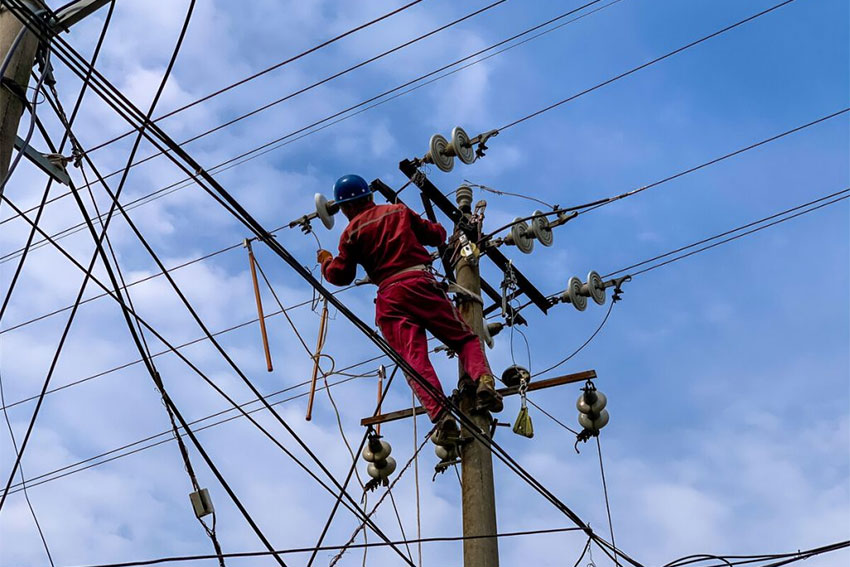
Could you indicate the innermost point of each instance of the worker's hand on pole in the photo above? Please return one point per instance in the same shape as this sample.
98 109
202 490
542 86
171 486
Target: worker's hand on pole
323 255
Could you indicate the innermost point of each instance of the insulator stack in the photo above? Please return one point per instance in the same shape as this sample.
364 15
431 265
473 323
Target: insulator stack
381 465
592 413
578 292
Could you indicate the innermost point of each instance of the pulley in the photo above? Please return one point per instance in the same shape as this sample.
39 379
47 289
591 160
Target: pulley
521 236
542 229
595 288
438 153
514 375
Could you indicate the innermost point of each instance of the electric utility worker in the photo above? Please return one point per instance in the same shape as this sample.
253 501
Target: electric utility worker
389 242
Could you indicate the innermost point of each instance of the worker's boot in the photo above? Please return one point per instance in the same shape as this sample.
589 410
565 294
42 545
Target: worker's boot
487 398
446 433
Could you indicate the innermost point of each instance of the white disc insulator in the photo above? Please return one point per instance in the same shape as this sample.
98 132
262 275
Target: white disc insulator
574 293
441 452
323 209
438 153
488 339
596 287
462 148
521 236
542 230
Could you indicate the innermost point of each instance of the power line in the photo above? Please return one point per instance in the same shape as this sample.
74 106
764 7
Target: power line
749 559
593 205
332 77
66 470
586 207
643 66
350 504
31 235
448 539
342 115
266 70
824 201
122 105
142 130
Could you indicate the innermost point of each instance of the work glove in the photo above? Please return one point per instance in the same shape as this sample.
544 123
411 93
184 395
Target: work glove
322 255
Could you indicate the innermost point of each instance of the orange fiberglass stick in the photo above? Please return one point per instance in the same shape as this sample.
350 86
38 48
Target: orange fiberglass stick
320 343
252 262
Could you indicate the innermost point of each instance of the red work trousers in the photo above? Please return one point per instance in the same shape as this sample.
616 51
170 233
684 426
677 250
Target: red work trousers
412 303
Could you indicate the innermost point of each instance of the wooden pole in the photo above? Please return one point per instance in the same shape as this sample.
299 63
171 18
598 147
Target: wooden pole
381 372
320 342
262 317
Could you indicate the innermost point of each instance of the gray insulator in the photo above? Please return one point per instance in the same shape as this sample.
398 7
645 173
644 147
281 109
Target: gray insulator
585 405
371 457
594 422
383 472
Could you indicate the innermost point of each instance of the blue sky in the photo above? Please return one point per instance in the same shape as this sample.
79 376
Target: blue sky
726 373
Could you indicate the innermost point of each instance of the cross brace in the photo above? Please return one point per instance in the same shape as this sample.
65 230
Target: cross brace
539 385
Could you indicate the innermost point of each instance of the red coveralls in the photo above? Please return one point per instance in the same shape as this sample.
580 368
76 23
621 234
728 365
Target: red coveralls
388 241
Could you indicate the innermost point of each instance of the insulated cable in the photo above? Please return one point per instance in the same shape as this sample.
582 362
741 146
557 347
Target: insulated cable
587 207
265 71
187 163
342 115
643 66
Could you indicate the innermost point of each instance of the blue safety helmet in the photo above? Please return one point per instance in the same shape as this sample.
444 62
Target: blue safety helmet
350 188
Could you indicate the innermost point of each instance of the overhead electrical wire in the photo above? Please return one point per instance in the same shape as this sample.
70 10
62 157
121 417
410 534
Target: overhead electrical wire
230 204
593 205
588 206
22 12
33 106
154 441
525 118
643 66
172 410
340 115
14 280
351 506
776 218
265 71
235 208
447 539
784 558
295 93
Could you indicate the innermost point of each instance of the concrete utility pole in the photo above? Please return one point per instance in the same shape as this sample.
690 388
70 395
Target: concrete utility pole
479 498
15 81
17 75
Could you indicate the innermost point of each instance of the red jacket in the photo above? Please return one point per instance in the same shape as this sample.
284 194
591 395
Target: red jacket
384 239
